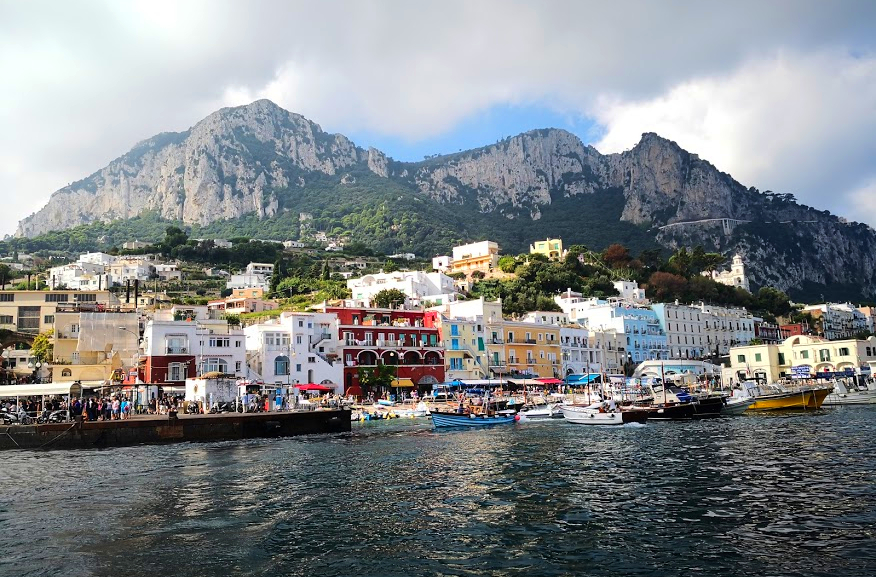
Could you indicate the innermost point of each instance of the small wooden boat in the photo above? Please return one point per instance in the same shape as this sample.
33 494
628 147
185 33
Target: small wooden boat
442 419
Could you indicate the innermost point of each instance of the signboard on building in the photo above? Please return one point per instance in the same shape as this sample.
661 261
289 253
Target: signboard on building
801 372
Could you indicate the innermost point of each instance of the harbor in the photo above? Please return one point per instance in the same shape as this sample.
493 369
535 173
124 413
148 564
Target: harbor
773 493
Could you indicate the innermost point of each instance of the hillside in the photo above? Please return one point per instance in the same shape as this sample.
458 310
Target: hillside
253 170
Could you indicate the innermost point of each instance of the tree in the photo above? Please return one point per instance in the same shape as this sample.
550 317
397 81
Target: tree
773 300
507 263
388 298
43 347
232 320
478 275
326 273
680 262
379 376
390 266
5 274
665 286
173 237
616 256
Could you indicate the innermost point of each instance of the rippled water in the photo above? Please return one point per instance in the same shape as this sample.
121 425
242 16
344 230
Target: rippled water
758 495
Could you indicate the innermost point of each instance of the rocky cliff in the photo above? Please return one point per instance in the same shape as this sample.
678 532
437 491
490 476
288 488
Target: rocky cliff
251 160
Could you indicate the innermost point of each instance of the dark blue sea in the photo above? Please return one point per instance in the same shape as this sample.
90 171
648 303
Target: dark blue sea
763 495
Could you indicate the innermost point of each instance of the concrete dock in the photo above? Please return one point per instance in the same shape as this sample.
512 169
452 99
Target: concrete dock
162 429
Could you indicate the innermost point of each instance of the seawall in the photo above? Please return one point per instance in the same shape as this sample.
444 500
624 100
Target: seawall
161 429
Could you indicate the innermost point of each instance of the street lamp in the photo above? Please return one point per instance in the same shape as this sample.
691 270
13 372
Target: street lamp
36 369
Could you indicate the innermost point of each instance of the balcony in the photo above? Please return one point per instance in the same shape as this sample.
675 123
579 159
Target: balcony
497 341
176 350
529 341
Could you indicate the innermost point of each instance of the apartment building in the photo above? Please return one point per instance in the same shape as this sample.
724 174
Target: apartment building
685 330
34 311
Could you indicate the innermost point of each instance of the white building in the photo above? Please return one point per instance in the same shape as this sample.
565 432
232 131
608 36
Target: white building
630 291
419 286
79 276
100 258
685 330
293 244
546 318
403 256
123 270
168 272
256 275
260 268
441 263
725 327
734 277
175 345
296 348
839 320
578 356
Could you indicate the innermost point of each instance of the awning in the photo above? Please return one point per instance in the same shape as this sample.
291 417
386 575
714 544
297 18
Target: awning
35 390
403 383
312 387
547 381
582 379
525 382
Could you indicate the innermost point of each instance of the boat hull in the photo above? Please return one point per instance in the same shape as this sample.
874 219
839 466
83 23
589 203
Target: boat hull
806 399
442 420
708 407
584 416
680 412
736 407
834 399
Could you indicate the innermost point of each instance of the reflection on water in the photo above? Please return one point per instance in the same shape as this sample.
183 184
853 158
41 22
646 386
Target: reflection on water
771 495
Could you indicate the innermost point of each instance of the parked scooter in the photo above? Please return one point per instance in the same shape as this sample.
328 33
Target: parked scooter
48 416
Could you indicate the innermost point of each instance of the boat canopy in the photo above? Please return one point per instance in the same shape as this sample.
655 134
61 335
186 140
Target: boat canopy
549 381
583 379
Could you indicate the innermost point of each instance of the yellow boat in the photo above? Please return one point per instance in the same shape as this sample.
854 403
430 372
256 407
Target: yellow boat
777 397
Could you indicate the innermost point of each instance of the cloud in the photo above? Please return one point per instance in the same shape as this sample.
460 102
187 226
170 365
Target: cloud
799 123
84 82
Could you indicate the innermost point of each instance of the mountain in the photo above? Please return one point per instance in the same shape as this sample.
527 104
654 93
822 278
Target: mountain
257 168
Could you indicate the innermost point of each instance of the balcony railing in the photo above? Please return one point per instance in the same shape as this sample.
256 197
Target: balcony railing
176 350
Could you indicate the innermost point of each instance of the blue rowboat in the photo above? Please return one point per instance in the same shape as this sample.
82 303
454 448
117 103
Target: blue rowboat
465 420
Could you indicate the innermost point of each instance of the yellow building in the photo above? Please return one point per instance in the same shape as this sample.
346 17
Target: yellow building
481 256
551 248
34 311
91 346
530 348
465 352
800 356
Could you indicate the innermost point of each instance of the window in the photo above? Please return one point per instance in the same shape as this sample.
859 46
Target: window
220 342
175 372
298 368
740 358
298 339
84 298
455 364
213 365
869 351
804 354
369 339
49 319
311 359
454 330
29 319
781 358
300 323
844 352
757 357
823 355
237 365
8 320
7 297
281 365
56 298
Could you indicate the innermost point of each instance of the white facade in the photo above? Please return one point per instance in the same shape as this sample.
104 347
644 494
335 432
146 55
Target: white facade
79 276
630 291
260 268
293 244
403 256
725 327
475 249
213 351
124 270
296 348
419 286
685 330
441 263
734 277
168 272
579 356
242 281
840 320
100 258
546 318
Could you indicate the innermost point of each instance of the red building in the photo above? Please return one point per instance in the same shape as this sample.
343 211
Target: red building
375 338
794 330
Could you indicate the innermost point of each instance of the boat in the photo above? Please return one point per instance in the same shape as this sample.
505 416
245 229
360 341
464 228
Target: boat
667 403
734 406
708 406
778 396
600 414
845 393
444 419
541 410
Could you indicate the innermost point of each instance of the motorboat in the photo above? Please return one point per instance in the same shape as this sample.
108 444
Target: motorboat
779 396
539 408
734 406
846 393
604 413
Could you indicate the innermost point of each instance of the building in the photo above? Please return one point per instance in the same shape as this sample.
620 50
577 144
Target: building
480 256
767 332
91 346
839 320
465 352
551 248
287 244
168 272
685 330
801 357
725 327
639 326
34 311
174 350
296 348
870 314
546 318
577 355
260 268
123 270
79 276
135 245
532 348
734 277
372 338
419 286
240 305
630 291
403 256
441 263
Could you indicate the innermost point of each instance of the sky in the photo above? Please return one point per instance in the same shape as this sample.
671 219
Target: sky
780 94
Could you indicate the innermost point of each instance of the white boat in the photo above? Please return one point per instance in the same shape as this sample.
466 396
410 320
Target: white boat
845 393
736 405
539 409
597 414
